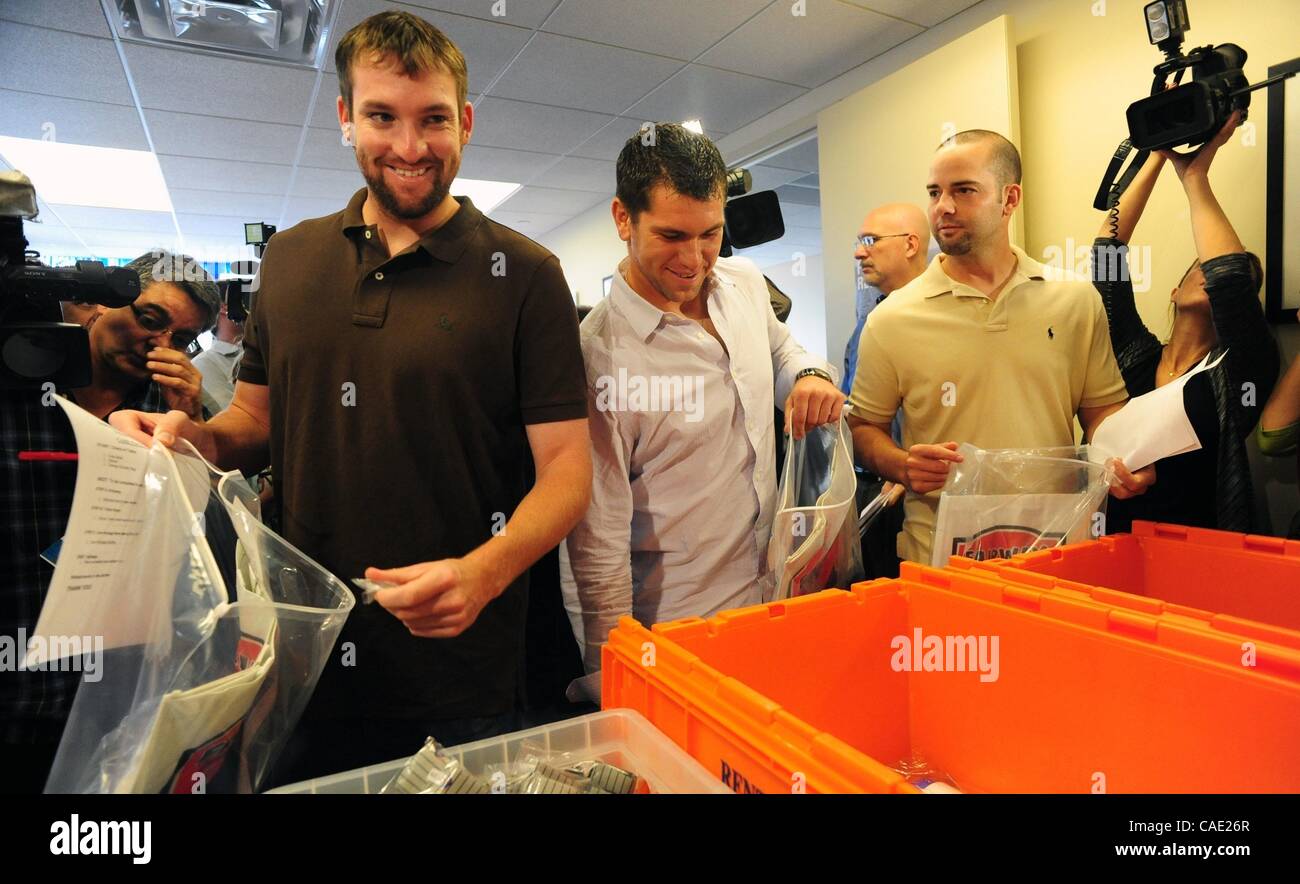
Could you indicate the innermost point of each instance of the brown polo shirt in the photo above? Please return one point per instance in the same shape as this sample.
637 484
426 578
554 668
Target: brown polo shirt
400 391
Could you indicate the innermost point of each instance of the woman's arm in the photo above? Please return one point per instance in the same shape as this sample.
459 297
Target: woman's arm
1133 202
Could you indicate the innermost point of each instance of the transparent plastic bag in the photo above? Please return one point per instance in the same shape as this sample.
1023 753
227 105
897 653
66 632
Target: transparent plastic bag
815 543
1000 502
240 625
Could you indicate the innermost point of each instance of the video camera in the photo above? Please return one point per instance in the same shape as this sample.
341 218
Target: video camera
1184 113
35 345
749 220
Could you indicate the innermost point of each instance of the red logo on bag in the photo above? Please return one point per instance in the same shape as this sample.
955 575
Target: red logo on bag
1003 542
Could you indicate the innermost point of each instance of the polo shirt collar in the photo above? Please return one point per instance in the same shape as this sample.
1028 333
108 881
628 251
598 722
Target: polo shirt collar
446 243
934 281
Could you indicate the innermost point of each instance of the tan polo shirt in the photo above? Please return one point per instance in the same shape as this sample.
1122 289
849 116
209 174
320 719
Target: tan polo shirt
1006 373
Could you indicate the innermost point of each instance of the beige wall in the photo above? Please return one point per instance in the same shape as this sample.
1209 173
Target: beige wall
589 249
874 147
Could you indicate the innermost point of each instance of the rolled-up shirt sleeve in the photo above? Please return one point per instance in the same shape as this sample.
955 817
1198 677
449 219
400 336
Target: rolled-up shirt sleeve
789 358
600 545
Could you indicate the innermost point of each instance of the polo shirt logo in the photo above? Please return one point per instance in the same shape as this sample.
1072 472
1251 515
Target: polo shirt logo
444 323
1050 336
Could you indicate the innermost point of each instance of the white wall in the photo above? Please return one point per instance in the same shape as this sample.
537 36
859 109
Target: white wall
589 249
807 292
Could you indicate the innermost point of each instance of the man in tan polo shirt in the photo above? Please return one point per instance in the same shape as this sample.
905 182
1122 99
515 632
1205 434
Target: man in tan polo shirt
983 347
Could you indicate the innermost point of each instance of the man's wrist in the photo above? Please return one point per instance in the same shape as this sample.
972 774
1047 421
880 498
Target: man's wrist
813 372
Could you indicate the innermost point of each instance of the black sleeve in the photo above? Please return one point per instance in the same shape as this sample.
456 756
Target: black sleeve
1243 331
1137 351
552 381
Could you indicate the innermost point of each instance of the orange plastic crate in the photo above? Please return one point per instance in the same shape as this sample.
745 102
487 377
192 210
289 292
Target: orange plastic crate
801 694
1240 583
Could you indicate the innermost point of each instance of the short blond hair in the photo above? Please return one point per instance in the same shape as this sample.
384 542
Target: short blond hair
410 42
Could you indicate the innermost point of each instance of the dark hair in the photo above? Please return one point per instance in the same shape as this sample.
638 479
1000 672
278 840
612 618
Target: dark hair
1006 159
669 154
186 274
409 41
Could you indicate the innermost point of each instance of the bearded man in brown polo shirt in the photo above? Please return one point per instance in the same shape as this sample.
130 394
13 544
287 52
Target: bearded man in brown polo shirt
410 368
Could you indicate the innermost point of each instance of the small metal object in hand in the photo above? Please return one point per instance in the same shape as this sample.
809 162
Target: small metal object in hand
370 588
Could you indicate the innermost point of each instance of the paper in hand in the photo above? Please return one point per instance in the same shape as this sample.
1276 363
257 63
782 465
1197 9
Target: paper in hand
1150 427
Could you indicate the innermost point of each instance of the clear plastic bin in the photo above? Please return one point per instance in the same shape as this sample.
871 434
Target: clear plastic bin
620 737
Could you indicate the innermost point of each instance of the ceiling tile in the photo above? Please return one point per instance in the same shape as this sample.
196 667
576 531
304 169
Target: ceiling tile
721 100
922 12
82 16
299 208
530 224
608 142
679 29
845 37
324 149
88 68
73 122
550 200
576 173
802 196
770 177
574 73
521 125
212 225
522 13
77 217
488 44
501 164
801 215
224 87
801 157
251 206
200 174
330 184
194 135
325 113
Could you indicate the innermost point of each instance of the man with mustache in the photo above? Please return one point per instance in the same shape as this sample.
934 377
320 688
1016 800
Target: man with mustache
982 347
411 368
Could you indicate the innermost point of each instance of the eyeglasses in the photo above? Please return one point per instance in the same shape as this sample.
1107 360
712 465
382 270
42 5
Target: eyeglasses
869 240
156 326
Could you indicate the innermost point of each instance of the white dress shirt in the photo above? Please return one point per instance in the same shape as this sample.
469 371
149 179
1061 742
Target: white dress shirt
683 449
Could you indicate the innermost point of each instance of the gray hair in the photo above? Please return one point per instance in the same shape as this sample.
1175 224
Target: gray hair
186 274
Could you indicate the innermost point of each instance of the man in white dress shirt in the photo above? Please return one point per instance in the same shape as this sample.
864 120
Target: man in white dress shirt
684 362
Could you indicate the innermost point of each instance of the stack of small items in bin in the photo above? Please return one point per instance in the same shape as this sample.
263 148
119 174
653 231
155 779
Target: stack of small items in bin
535 771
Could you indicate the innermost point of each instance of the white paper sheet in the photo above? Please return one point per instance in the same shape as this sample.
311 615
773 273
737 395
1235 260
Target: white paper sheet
98 585
1150 427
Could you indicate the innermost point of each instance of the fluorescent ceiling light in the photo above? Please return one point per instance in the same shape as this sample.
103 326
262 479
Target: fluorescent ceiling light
287 31
486 195
693 126
79 175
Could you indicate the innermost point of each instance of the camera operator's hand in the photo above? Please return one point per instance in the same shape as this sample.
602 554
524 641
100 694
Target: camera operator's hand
1198 164
928 465
181 382
145 428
